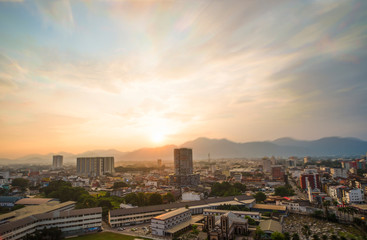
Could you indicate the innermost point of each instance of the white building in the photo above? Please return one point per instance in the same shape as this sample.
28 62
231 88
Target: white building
151 184
160 224
191 196
339 173
355 195
70 222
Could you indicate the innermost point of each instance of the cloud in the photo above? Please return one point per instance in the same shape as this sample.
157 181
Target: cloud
56 12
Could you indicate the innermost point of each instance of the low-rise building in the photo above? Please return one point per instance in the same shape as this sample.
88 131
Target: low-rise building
160 224
132 216
242 214
71 222
354 196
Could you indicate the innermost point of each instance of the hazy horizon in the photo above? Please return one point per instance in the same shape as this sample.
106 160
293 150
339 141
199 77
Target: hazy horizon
84 75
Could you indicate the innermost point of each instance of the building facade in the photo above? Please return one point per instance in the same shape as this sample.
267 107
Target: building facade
355 195
160 224
225 227
72 222
183 166
57 161
313 179
95 166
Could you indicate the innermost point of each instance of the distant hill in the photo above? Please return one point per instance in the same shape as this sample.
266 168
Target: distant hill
218 148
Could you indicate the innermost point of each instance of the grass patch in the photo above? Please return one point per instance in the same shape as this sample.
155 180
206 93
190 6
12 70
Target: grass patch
105 236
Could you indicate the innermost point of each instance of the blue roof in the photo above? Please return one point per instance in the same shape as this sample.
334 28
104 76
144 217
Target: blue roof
9 199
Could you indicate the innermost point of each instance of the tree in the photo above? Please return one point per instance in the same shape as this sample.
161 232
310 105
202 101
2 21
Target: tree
277 236
155 199
117 185
326 204
324 237
315 237
295 236
260 197
20 182
169 197
287 236
250 220
284 191
258 233
306 231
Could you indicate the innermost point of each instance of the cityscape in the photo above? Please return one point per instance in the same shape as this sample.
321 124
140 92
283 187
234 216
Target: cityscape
183 120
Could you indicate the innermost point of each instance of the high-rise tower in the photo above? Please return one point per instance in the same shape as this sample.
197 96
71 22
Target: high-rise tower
57 161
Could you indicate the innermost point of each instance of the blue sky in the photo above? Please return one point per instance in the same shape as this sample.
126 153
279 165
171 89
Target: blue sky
80 75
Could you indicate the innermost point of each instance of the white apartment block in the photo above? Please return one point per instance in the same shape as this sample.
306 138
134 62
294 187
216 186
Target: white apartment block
160 224
71 222
354 196
242 214
339 172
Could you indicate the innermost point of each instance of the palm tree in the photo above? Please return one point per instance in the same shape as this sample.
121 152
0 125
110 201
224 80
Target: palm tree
306 231
295 236
326 204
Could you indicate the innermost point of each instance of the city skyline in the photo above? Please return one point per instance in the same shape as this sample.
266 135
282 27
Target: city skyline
82 75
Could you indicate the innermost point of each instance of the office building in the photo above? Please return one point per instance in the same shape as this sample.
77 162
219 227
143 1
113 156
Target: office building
57 161
159 163
95 166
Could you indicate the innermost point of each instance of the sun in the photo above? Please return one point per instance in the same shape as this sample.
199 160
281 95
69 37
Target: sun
157 137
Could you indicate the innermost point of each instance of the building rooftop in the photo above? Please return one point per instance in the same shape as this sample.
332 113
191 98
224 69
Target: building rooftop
271 225
33 210
34 201
270 206
9 199
121 212
171 214
235 212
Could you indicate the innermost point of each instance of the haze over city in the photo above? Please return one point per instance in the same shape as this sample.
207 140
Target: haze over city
83 75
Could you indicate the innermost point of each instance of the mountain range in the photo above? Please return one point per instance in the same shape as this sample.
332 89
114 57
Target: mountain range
219 148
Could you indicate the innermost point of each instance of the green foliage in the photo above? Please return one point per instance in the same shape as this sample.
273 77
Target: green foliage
20 182
233 207
260 197
277 236
251 221
117 185
295 236
144 199
169 197
259 233
324 237
318 214
306 231
315 237
45 234
287 236
155 199
225 189
284 191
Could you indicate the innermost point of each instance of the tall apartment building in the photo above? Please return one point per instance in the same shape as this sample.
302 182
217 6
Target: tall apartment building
95 166
57 161
266 165
313 179
183 161
277 172
183 166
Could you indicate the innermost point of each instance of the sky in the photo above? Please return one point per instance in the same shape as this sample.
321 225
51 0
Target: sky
83 75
